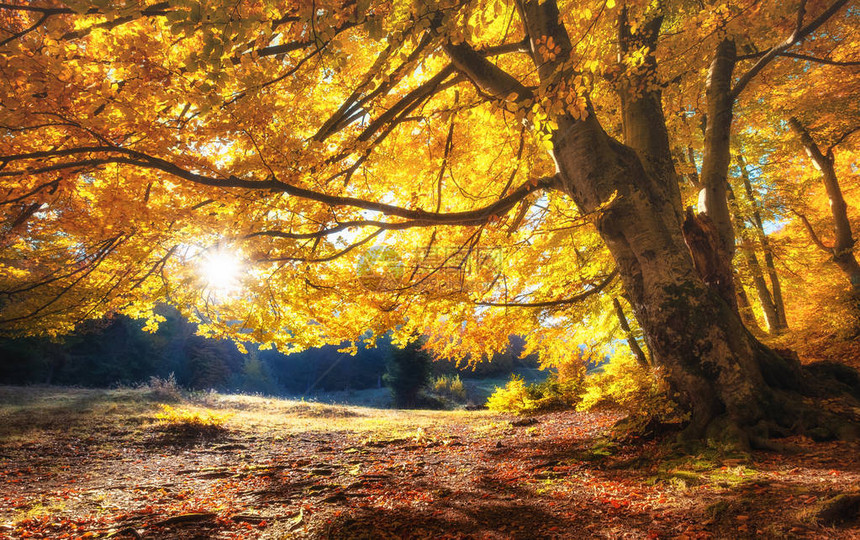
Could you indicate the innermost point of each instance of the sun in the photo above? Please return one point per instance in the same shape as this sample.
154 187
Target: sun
221 270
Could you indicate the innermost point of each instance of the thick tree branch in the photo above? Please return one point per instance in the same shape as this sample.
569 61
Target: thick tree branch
139 159
416 95
799 34
353 107
486 75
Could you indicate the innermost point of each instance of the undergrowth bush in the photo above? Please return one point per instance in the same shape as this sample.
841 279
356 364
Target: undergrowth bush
623 384
191 422
557 392
450 388
627 385
160 389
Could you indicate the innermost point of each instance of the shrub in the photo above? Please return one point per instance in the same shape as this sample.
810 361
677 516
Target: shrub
191 422
521 398
514 397
160 389
450 388
625 384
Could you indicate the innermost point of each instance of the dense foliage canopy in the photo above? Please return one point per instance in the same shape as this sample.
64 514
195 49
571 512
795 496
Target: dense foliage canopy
378 164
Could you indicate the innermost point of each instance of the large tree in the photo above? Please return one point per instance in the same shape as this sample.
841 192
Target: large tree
455 169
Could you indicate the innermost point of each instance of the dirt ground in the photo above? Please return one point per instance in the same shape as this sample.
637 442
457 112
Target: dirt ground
94 464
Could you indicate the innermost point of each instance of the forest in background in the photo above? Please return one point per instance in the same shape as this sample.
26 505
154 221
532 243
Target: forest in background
117 351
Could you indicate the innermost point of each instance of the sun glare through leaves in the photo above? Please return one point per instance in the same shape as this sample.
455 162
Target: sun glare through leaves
221 271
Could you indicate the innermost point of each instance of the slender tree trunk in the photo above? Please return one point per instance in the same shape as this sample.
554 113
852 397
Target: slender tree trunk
767 249
843 248
688 156
745 309
764 296
632 342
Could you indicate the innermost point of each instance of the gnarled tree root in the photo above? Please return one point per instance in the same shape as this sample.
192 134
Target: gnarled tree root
839 510
820 401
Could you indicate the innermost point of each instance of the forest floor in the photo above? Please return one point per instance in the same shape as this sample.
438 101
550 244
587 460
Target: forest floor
96 463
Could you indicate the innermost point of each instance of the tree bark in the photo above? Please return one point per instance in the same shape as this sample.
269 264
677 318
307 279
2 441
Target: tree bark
644 130
717 150
843 247
691 331
714 254
643 124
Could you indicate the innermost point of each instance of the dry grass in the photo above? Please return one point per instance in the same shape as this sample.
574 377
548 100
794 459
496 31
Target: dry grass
259 414
35 412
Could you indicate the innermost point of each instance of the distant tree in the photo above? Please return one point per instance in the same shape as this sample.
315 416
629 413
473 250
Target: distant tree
256 376
29 360
408 372
211 363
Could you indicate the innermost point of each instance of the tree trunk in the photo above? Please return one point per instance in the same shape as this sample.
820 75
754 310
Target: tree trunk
643 123
691 331
710 235
735 388
628 333
843 248
717 150
745 309
767 302
726 378
767 249
644 129
771 316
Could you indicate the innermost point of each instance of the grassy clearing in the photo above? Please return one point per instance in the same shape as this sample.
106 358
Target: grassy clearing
259 414
32 413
